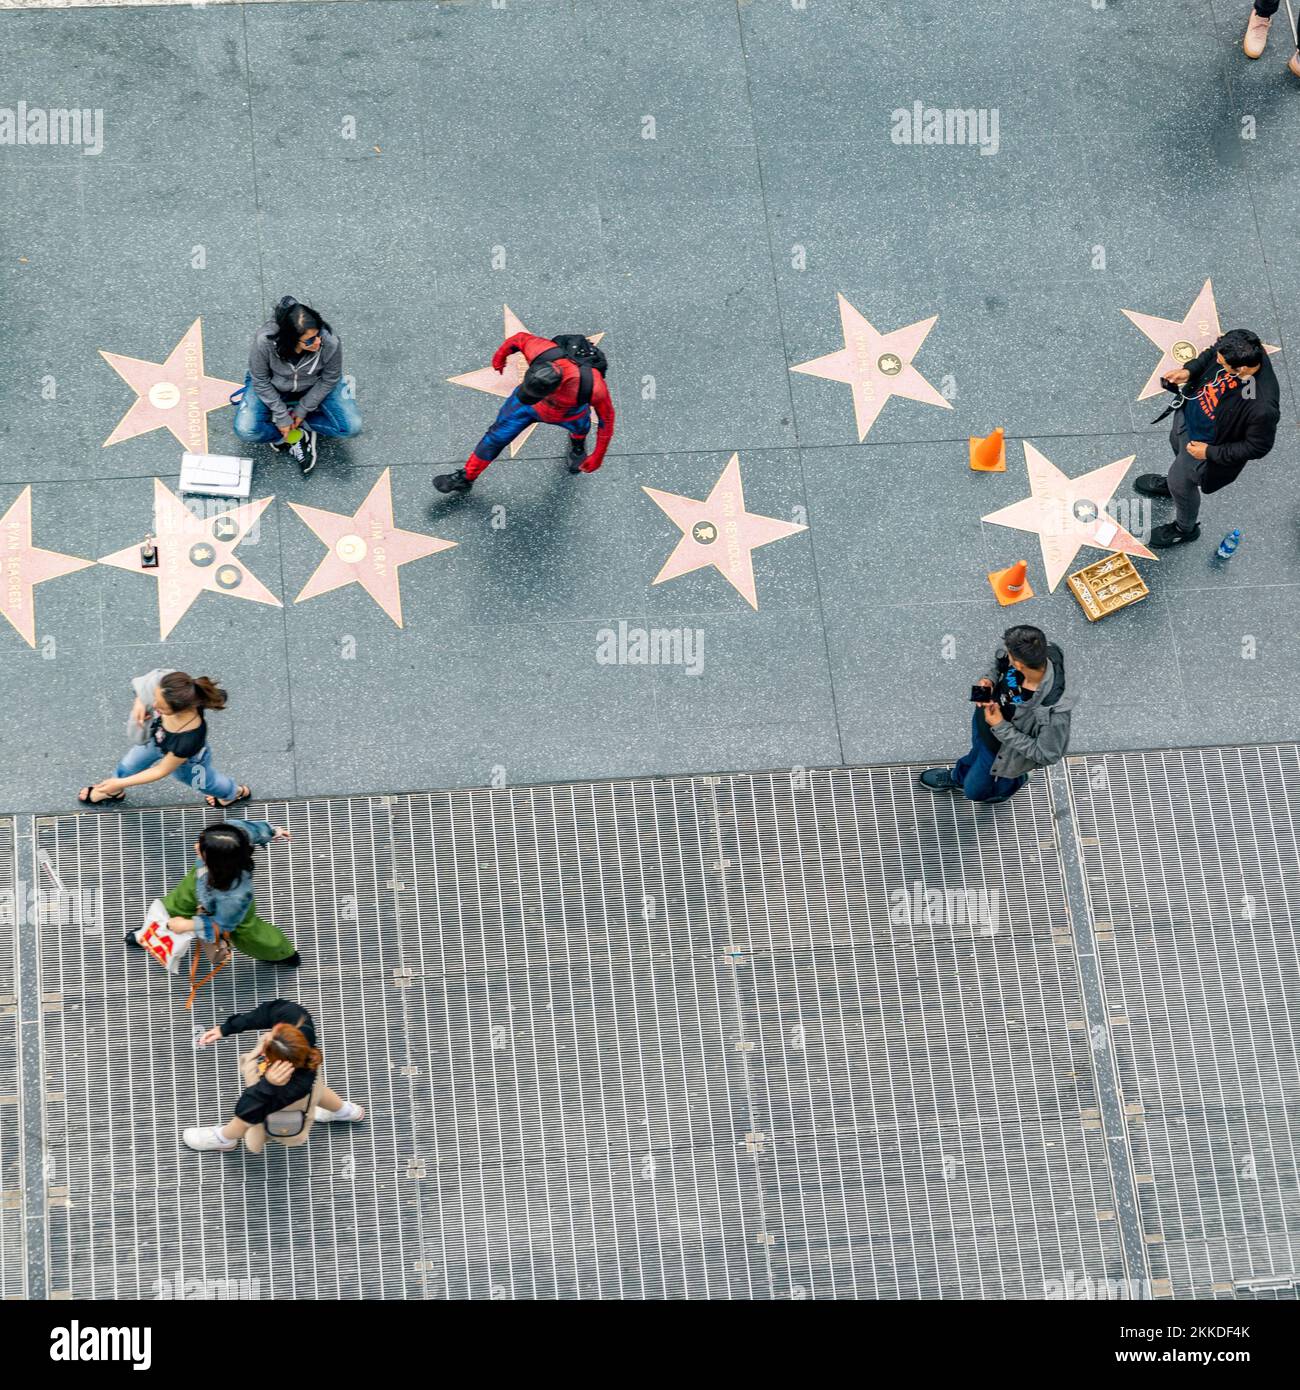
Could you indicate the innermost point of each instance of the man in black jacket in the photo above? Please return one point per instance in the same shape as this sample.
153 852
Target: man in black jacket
1226 414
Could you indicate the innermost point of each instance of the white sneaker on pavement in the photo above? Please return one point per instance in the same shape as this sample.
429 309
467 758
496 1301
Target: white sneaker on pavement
349 1111
208 1139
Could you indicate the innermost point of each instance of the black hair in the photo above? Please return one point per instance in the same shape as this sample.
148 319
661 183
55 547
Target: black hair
292 321
1240 348
1027 644
182 692
539 381
227 851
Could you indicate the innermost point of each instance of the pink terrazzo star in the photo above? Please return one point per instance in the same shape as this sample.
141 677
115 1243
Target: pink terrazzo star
23 566
1179 340
719 532
876 365
195 555
366 548
503 383
1068 513
173 395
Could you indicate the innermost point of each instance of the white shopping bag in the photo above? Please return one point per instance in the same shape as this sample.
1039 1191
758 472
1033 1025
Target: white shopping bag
167 947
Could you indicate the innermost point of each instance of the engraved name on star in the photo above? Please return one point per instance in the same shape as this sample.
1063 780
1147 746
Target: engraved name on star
876 365
366 548
1068 513
23 566
719 531
195 555
502 383
173 395
1179 340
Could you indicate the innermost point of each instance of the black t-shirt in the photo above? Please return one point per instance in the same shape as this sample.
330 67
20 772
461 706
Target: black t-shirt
263 1099
184 744
1005 695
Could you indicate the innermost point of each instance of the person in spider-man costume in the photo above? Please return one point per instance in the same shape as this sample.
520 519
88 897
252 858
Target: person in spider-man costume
557 389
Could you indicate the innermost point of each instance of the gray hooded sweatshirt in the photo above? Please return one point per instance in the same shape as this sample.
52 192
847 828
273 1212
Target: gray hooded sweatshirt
316 374
1037 735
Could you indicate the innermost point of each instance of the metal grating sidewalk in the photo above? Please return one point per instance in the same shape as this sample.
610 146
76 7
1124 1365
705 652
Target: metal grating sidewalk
1193 860
785 1035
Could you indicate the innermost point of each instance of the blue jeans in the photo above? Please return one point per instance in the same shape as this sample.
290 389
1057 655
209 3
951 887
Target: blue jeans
336 417
973 773
513 419
197 773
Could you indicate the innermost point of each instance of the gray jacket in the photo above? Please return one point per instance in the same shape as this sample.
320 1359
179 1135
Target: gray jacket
144 688
1038 734
317 374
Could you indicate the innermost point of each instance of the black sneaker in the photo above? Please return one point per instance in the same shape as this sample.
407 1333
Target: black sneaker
303 453
938 779
1152 485
577 454
130 940
279 446
1173 534
452 482
291 962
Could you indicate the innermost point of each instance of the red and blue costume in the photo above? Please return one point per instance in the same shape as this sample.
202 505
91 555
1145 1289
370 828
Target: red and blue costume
561 408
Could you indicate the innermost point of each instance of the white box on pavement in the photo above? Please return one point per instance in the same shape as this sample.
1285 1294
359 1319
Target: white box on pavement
216 475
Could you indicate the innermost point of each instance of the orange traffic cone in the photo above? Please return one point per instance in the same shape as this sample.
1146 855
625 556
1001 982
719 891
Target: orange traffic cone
988 454
1010 585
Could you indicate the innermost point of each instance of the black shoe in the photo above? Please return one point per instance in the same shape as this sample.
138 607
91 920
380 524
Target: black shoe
453 482
577 454
292 962
279 446
1152 485
130 940
1173 534
938 779
303 453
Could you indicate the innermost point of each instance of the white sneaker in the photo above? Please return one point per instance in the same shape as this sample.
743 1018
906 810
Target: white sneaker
350 1112
1256 35
208 1139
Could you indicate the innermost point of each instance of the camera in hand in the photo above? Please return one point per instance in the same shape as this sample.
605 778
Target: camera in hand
981 694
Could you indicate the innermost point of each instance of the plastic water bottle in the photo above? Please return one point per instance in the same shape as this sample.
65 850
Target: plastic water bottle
1228 545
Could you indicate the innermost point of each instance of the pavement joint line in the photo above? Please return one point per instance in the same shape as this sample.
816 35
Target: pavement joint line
1119 1156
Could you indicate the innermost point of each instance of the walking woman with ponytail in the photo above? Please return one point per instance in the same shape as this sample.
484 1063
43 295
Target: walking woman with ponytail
168 726
284 1090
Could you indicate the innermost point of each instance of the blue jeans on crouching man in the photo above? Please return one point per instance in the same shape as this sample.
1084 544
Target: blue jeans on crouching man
973 773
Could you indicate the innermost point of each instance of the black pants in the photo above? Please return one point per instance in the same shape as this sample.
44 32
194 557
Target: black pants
1265 9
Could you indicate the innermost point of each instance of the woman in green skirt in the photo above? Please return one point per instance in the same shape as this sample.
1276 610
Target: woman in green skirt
217 895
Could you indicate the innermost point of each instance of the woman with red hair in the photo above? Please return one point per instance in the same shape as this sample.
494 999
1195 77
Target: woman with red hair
284 1091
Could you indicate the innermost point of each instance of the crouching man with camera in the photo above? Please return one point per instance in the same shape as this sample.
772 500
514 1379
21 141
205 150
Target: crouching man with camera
1021 720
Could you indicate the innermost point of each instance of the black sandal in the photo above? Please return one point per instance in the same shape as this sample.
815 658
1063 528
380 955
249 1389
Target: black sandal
218 805
83 796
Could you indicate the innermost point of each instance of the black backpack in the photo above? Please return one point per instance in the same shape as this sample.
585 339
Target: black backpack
584 355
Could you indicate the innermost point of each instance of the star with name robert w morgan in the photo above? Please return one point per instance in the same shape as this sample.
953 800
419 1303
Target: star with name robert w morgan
1179 340
1069 513
876 365
195 555
719 531
175 395
502 383
366 548
23 566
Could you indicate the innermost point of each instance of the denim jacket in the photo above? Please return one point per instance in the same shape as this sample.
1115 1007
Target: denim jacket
225 909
